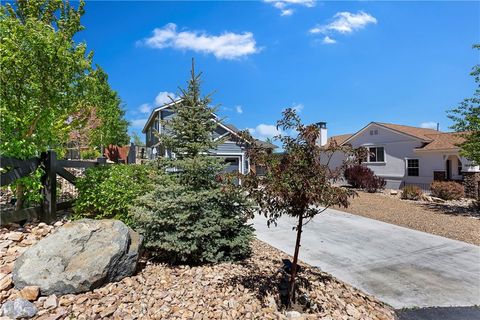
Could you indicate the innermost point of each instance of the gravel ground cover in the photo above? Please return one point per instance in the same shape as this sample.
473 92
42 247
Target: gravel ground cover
443 219
245 290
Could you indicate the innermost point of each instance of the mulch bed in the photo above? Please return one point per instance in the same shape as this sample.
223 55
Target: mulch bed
451 220
244 290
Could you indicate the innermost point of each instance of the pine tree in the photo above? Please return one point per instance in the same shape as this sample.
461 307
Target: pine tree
193 215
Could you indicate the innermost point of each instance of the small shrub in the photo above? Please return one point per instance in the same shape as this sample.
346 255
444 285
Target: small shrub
107 191
361 177
411 192
89 154
447 190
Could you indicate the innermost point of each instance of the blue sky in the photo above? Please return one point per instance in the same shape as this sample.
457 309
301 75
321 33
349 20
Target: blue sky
346 63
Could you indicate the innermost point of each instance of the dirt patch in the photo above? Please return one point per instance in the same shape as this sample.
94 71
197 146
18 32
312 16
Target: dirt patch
454 222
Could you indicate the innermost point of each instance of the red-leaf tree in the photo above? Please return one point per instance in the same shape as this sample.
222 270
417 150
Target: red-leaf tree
298 182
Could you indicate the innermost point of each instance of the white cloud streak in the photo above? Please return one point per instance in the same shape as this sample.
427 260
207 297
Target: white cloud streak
298 107
228 45
239 109
429 125
138 123
285 6
162 98
264 131
328 40
346 22
343 23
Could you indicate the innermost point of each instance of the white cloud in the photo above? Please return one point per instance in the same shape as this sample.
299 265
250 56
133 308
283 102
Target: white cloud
344 22
164 97
228 45
328 40
264 131
298 107
429 125
138 123
239 109
286 12
285 5
145 108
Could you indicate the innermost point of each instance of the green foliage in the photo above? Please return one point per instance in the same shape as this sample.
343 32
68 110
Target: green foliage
299 183
466 117
411 192
47 82
447 190
182 223
89 154
107 191
193 215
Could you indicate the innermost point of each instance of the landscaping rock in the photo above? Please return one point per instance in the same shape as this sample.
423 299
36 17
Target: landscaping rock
30 293
19 308
50 302
80 256
5 282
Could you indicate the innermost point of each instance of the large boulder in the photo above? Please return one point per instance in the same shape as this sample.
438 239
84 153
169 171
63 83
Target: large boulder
78 257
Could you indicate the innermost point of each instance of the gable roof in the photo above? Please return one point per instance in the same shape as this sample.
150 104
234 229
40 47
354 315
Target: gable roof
229 127
421 133
444 141
340 139
434 140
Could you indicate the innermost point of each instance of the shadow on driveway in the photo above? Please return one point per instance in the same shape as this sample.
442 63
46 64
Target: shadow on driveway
447 313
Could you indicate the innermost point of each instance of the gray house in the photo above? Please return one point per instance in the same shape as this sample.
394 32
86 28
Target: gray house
232 150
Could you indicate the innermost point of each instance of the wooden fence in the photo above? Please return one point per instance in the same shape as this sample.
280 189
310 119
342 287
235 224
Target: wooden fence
47 211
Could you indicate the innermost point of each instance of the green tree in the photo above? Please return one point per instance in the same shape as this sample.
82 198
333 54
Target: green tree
466 117
47 81
193 215
299 183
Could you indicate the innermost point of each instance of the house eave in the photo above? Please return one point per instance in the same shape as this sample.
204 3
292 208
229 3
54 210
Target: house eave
155 111
447 150
353 136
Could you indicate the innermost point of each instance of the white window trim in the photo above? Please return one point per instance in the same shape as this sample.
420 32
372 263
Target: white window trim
368 156
406 167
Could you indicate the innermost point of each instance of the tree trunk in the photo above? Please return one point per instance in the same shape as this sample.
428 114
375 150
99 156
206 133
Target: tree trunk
291 288
20 194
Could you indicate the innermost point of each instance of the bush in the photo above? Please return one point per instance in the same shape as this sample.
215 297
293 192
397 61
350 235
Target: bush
89 154
361 177
447 190
411 192
185 224
107 191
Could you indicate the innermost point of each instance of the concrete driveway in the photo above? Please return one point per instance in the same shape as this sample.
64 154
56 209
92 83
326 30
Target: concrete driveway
404 268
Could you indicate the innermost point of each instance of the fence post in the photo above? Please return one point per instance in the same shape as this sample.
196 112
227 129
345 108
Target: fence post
101 160
49 181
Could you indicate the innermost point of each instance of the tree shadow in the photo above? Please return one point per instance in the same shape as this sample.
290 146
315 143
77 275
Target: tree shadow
451 209
274 282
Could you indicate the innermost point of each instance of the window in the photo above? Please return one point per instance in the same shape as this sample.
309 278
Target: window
459 167
374 132
412 167
376 154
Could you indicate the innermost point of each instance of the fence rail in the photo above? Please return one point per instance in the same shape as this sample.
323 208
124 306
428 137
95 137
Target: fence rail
47 211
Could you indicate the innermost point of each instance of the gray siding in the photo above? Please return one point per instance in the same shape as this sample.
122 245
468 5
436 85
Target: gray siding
229 147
